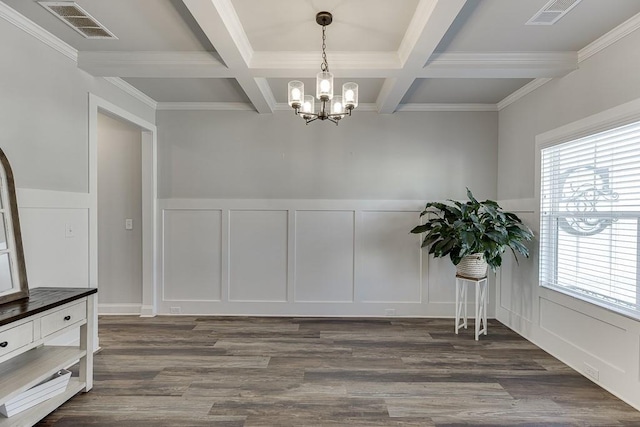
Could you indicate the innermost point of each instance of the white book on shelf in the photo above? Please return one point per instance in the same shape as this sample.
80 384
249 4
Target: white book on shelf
52 386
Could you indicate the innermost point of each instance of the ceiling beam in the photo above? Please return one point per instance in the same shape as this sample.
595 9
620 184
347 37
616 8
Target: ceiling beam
500 65
153 64
345 64
219 22
429 24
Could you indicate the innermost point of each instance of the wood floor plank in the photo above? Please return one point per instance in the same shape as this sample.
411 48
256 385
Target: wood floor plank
259 372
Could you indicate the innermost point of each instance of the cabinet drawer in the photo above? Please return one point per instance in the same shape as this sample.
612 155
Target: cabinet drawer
14 338
62 318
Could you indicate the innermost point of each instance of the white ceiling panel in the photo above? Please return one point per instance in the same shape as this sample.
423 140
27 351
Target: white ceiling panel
499 26
139 25
358 25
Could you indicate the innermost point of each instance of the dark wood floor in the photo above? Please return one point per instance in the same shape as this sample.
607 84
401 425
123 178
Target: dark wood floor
198 371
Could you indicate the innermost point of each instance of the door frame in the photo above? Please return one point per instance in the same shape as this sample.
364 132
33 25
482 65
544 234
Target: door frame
149 198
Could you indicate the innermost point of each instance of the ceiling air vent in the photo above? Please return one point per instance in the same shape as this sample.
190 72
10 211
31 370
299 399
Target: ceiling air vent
76 17
552 12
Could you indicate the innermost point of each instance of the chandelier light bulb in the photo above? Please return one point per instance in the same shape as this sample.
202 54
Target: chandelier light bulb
308 105
295 94
324 85
336 105
348 96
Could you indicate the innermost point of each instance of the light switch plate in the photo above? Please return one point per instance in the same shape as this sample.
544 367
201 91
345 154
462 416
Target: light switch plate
128 224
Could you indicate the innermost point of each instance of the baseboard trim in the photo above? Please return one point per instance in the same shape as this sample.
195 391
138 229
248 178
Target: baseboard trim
119 309
147 311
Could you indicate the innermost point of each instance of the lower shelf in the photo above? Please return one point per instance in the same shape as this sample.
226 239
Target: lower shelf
33 366
38 412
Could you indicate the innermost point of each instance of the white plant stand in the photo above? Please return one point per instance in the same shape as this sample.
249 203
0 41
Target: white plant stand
481 303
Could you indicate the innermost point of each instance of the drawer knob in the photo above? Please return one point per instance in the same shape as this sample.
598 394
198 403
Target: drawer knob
67 317
4 344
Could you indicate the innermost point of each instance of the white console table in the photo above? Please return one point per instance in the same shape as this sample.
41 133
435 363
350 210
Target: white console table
25 327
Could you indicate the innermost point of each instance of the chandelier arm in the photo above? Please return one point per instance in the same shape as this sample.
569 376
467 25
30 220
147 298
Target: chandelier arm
305 115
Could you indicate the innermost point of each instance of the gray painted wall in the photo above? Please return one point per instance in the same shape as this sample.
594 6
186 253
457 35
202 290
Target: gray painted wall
243 155
44 112
574 331
119 197
332 207
608 79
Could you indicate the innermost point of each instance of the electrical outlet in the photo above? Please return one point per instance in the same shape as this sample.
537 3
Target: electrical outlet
591 372
69 231
128 224
175 310
390 312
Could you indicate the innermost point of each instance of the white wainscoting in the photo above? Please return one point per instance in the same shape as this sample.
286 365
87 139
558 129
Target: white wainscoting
52 257
299 258
574 331
192 254
258 257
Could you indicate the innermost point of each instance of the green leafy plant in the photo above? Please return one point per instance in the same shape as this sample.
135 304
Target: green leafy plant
458 229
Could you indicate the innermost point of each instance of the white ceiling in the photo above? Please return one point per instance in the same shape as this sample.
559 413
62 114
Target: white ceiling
402 53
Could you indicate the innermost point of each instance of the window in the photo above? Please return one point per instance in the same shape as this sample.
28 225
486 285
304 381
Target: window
590 218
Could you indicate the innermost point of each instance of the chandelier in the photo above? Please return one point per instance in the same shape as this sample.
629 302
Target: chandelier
332 107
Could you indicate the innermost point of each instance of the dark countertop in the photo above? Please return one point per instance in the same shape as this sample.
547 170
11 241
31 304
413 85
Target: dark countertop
40 299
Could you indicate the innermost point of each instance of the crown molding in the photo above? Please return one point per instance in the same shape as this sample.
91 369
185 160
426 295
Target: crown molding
618 33
621 31
205 106
524 90
130 90
446 107
37 31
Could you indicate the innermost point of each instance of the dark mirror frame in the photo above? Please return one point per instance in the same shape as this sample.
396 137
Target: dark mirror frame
21 289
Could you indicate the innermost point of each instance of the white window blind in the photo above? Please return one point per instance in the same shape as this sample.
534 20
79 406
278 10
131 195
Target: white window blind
590 218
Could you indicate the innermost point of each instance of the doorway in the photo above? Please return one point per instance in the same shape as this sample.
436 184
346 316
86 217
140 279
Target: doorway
138 129
119 215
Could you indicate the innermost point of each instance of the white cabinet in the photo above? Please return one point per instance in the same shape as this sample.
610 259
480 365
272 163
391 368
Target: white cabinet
26 360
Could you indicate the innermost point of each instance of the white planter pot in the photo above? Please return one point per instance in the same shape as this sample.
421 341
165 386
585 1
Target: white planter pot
472 266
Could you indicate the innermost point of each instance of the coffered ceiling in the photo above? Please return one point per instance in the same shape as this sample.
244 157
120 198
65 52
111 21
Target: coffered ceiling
404 54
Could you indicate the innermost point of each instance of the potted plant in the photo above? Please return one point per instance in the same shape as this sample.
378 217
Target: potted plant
474 234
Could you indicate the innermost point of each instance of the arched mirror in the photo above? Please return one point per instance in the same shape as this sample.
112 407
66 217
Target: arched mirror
13 274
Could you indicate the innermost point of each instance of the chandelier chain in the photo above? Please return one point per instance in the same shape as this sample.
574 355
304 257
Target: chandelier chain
325 65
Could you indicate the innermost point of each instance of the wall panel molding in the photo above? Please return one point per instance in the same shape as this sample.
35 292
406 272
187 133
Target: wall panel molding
316 258
574 331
